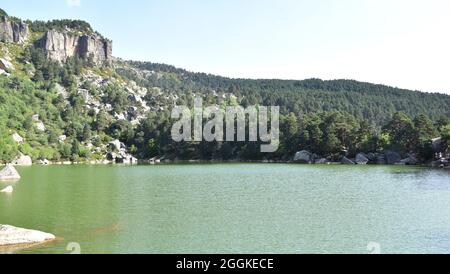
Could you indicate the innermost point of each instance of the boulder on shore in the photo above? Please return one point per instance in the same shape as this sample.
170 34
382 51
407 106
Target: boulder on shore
23 160
321 161
304 156
347 161
9 173
44 162
372 157
10 235
361 159
411 160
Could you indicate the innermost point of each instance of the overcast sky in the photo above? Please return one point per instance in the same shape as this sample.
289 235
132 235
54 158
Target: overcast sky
403 43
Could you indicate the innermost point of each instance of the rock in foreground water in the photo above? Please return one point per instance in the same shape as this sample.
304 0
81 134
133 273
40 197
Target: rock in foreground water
8 189
9 173
10 235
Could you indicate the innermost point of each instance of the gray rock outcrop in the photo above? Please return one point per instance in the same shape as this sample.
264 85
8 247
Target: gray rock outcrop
13 31
5 64
9 173
10 235
119 154
62 45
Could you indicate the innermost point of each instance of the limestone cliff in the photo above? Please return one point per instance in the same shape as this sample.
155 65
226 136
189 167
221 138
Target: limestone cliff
13 31
61 45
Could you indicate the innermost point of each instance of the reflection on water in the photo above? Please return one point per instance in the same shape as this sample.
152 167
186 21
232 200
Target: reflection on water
233 208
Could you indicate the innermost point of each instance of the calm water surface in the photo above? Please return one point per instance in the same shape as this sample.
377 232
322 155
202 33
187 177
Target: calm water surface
233 208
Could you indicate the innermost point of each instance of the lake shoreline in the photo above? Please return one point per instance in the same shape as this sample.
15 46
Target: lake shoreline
187 162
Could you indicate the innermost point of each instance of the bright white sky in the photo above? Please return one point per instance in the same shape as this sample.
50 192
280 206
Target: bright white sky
403 43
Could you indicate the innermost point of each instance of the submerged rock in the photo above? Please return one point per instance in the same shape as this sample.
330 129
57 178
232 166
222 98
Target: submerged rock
9 173
8 189
10 235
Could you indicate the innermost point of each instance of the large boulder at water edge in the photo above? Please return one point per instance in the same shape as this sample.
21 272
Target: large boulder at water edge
304 156
321 161
10 235
361 159
411 160
347 161
392 157
23 160
9 173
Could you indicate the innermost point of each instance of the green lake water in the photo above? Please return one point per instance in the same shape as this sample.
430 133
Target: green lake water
233 208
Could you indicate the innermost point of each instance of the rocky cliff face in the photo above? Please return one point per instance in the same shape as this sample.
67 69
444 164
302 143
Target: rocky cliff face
61 45
13 32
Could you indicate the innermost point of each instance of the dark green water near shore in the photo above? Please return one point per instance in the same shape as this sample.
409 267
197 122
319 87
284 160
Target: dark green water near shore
233 208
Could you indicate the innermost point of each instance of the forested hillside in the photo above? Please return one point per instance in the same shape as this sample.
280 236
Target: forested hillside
374 103
74 103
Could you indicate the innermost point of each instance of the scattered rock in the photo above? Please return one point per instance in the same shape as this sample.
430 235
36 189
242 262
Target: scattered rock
44 162
10 235
361 159
411 160
17 138
116 145
62 138
23 160
3 72
38 123
60 90
8 189
5 64
321 161
304 156
347 161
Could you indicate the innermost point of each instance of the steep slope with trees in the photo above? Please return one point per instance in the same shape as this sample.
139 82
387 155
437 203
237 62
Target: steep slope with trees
81 108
